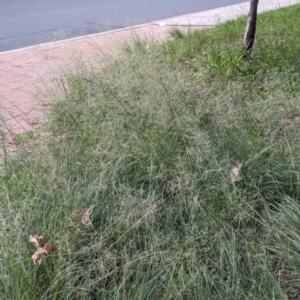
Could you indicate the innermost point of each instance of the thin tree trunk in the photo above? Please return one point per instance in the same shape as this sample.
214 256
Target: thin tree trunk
251 25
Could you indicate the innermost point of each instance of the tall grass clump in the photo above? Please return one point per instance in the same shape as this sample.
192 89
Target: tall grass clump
185 155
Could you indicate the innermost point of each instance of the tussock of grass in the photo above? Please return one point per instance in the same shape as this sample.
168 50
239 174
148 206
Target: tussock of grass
149 141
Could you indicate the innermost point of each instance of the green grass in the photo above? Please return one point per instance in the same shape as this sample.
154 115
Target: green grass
149 141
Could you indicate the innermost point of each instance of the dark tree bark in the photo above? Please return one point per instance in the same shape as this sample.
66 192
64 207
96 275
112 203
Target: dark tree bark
251 25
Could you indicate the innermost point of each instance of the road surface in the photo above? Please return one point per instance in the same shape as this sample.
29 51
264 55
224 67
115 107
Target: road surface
29 22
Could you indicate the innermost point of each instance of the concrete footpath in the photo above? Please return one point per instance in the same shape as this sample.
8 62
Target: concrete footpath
24 72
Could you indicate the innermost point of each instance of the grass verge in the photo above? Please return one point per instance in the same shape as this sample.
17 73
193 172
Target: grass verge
150 145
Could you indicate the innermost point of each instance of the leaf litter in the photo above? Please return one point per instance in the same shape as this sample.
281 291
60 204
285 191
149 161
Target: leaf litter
81 217
235 173
44 247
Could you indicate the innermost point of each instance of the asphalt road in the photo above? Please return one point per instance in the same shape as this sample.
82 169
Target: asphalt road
29 22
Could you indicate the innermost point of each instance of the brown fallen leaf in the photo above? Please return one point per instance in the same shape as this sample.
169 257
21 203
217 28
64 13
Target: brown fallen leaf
235 173
34 239
81 217
42 241
48 247
42 245
75 218
85 219
38 255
